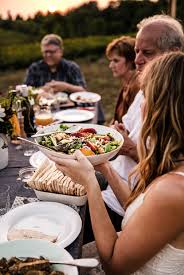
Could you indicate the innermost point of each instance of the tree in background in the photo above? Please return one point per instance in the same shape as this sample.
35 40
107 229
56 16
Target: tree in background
119 17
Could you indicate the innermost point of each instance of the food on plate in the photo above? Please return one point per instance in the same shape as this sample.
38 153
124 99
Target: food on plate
48 178
29 266
86 139
22 234
85 99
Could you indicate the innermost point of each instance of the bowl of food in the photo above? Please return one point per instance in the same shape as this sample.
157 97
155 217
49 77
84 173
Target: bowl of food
26 256
97 142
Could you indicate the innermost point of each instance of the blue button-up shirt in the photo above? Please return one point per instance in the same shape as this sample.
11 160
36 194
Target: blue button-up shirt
39 74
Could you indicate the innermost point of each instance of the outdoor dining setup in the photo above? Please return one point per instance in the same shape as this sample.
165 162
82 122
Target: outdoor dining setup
42 210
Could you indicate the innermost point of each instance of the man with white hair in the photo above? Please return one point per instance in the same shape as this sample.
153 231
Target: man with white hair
156 35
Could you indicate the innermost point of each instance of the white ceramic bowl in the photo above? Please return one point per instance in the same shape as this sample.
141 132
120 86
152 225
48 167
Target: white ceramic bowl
66 199
36 248
96 159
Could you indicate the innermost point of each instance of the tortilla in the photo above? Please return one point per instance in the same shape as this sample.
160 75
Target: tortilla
22 234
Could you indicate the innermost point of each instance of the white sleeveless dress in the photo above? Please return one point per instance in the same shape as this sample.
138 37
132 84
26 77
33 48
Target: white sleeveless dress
169 261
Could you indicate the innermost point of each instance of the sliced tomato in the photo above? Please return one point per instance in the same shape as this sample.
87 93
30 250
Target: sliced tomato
87 152
88 130
78 134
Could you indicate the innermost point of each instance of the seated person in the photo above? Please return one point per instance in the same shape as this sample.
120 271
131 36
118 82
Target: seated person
121 55
150 43
53 72
152 237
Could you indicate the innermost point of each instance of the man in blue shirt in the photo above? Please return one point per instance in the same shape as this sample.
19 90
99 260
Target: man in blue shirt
54 72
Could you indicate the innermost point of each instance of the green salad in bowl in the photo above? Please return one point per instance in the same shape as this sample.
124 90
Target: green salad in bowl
99 143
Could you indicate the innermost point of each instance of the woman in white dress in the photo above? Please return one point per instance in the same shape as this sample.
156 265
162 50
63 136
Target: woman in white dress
152 238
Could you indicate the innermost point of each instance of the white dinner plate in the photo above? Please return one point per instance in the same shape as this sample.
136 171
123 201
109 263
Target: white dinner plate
51 218
37 248
37 158
73 115
85 97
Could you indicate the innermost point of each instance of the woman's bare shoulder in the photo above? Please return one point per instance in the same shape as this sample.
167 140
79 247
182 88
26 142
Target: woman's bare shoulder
168 189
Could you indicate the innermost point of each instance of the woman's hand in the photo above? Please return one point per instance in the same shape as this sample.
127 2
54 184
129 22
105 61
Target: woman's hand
128 148
120 127
102 168
80 170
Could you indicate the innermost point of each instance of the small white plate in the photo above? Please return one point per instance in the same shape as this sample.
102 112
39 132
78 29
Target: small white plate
73 115
37 158
37 248
50 218
85 97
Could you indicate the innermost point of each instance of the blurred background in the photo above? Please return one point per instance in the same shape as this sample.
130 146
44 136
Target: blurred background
86 27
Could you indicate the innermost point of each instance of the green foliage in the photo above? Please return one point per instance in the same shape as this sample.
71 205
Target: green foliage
119 17
17 56
12 38
19 39
20 56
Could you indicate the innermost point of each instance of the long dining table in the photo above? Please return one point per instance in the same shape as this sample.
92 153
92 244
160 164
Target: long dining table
20 194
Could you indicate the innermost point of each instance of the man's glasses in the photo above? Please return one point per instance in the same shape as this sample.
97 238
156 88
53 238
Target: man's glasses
50 52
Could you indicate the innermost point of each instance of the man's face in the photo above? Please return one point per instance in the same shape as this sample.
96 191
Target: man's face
146 47
51 54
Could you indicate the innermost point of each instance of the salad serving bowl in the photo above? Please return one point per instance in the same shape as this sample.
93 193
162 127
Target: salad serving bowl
94 158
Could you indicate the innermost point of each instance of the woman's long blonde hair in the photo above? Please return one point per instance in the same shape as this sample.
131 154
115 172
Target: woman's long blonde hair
162 137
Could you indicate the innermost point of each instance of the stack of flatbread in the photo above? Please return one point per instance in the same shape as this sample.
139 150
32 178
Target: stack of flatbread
48 178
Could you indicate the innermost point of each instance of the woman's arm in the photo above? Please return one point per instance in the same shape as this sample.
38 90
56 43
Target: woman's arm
158 221
119 187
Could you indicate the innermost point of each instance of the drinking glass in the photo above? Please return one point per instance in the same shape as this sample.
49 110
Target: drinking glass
25 174
43 117
29 149
4 199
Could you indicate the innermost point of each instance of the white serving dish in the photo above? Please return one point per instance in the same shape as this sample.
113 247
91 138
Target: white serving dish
66 199
37 248
96 159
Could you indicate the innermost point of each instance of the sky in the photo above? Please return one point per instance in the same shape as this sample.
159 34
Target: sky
28 7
